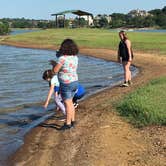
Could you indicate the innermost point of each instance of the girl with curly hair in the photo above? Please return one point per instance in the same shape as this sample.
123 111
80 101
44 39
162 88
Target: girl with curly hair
67 74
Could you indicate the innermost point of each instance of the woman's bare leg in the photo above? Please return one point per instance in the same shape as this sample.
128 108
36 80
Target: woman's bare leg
127 72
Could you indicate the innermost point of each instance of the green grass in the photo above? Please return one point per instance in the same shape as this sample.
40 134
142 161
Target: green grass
146 105
95 38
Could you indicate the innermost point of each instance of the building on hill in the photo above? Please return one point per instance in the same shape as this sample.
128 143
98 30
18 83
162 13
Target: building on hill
137 13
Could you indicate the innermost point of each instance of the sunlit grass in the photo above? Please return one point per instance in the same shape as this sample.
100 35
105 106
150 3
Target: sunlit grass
95 38
146 106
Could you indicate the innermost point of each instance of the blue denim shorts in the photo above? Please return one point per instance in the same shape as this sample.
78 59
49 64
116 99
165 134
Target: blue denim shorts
68 90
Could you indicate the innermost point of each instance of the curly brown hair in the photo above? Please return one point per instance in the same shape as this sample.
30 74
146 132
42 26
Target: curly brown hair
68 47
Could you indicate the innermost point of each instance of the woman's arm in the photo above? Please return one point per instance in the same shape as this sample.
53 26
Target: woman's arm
128 44
49 96
118 57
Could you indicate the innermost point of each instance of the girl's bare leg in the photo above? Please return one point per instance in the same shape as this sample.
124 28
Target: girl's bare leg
70 111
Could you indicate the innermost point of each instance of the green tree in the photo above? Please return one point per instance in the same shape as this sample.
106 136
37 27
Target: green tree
80 22
137 22
22 23
155 12
161 20
42 25
159 16
149 21
103 22
4 28
164 10
118 20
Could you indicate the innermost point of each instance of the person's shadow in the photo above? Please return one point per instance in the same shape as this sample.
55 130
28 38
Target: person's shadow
52 125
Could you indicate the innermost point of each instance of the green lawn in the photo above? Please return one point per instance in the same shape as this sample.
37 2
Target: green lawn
95 38
146 105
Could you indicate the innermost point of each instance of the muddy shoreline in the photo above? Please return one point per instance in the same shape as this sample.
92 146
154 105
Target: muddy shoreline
101 137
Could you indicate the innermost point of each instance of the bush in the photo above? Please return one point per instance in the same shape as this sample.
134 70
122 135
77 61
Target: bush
4 28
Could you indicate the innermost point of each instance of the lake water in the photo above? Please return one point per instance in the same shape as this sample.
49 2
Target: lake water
22 90
19 31
142 30
151 30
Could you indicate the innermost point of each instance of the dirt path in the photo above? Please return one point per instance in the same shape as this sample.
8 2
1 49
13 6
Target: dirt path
101 137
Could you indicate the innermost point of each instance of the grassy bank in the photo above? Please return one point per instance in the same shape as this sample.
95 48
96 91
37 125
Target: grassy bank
94 38
146 105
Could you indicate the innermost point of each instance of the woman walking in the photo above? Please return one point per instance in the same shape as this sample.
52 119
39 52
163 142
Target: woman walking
125 55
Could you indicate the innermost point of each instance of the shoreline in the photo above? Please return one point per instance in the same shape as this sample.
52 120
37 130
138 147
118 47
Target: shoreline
37 140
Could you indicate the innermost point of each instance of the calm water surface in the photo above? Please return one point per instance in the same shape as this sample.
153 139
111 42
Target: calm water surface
142 30
19 31
22 90
151 30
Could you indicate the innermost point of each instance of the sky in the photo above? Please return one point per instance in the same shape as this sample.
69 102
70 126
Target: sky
42 9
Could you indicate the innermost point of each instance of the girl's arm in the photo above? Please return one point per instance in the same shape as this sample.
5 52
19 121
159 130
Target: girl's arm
128 44
49 96
57 68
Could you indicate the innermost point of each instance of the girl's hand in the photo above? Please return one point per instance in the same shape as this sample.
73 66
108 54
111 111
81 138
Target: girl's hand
45 105
56 94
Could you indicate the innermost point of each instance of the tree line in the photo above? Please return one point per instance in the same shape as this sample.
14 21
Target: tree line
154 18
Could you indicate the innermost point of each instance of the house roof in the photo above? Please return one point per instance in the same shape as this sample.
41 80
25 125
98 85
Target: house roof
77 12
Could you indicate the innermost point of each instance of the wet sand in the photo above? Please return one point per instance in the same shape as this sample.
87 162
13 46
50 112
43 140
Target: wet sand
101 137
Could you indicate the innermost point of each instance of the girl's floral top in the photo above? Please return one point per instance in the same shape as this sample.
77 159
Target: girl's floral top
68 71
